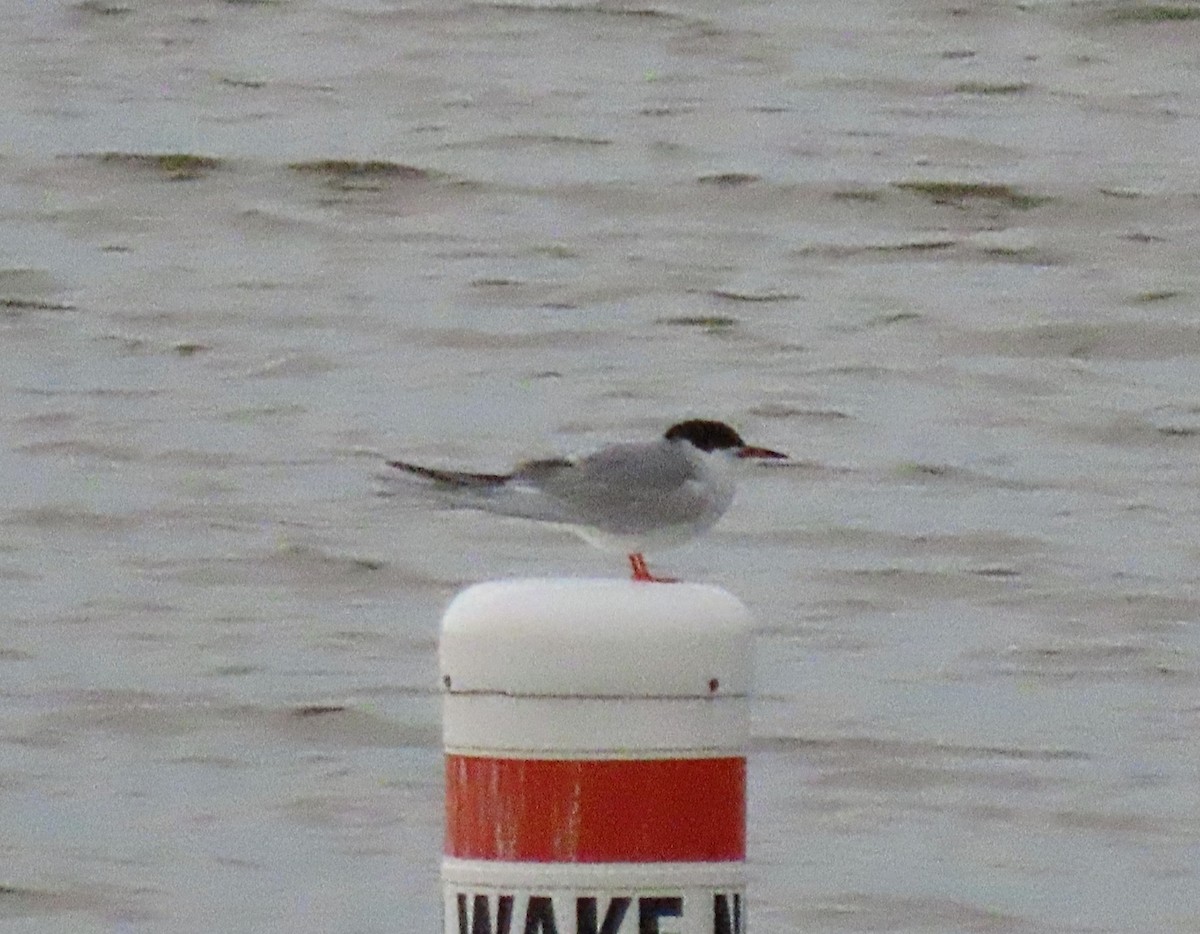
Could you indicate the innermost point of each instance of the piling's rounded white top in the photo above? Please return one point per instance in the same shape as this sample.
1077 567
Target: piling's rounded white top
570 637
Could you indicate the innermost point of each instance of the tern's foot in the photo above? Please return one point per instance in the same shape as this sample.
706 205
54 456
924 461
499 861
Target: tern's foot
642 573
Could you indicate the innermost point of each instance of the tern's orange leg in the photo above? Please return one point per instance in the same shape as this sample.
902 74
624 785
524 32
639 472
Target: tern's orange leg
642 573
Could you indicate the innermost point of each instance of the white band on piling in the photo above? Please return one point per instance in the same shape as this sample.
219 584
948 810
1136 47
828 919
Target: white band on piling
595 638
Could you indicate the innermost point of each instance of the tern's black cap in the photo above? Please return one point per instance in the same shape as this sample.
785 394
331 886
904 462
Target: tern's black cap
706 435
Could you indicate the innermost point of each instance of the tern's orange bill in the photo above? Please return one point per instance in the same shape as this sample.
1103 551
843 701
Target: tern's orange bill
764 453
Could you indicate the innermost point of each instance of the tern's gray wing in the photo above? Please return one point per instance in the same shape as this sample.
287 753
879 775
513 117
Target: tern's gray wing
517 494
453 478
623 488
537 473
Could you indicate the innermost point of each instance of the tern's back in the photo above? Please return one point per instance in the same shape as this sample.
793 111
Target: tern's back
637 489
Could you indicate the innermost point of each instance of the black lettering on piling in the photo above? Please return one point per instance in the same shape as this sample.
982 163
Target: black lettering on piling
585 916
539 916
504 914
652 910
462 913
479 919
724 921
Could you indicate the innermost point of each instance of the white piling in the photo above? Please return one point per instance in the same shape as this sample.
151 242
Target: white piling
595 739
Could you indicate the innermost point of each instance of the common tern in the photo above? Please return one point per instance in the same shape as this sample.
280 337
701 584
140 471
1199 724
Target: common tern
630 498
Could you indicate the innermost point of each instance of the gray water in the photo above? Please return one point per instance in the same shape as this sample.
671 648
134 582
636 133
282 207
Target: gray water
979 657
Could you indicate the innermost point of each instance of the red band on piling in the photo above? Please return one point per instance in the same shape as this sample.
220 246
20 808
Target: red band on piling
596 811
